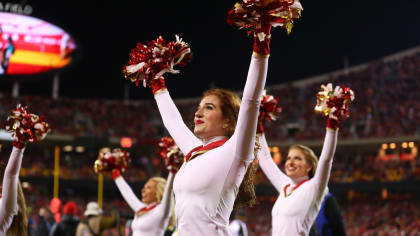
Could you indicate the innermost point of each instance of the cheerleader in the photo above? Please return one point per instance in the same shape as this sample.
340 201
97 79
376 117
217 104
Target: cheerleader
153 213
304 185
218 152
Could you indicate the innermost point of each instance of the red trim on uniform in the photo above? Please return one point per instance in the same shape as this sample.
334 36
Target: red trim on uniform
294 188
207 147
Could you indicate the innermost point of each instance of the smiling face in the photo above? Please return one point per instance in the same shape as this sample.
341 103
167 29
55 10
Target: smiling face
209 121
296 165
148 192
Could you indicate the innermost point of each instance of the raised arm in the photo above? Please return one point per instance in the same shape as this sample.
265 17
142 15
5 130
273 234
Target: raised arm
270 169
167 201
172 119
323 170
127 192
334 103
9 205
244 135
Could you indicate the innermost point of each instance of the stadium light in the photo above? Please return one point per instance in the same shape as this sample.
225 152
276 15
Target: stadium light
276 149
26 185
68 148
384 193
411 144
384 146
392 145
404 145
80 149
126 142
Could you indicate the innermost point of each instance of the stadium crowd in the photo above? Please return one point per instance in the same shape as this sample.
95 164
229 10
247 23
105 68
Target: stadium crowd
388 107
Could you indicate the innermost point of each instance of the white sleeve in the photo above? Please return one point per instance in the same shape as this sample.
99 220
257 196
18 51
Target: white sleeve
323 170
270 169
244 229
243 139
167 199
172 119
128 194
9 205
246 127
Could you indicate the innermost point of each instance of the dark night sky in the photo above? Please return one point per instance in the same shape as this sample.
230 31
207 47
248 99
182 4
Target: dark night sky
327 32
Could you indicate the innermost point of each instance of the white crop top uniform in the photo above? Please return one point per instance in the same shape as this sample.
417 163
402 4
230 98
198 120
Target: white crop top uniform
294 212
206 187
155 221
8 202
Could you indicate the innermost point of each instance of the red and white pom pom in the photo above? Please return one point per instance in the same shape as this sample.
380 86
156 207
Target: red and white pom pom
334 103
269 108
108 161
151 61
26 127
253 14
171 153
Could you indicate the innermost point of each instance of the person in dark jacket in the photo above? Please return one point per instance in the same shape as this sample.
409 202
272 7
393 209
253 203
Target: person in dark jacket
329 221
69 221
45 223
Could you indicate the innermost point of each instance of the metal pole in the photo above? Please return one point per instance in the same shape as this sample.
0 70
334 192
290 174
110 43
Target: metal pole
15 89
126 93
56 86
56 170
100 189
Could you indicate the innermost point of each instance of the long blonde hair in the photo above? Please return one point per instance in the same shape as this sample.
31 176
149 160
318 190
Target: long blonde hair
19 226
160 184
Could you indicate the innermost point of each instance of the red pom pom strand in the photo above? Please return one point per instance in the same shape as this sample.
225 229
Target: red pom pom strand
255 15
151 61
171 153
26 127
334 103
269 110
108 161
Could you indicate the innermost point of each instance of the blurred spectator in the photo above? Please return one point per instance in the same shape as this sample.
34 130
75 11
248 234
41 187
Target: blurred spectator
68 224
55 207
95 223
329 221
45 223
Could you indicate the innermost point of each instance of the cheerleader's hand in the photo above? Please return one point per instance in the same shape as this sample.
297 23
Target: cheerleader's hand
115 173
262 38
158 85
332 123
19 145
